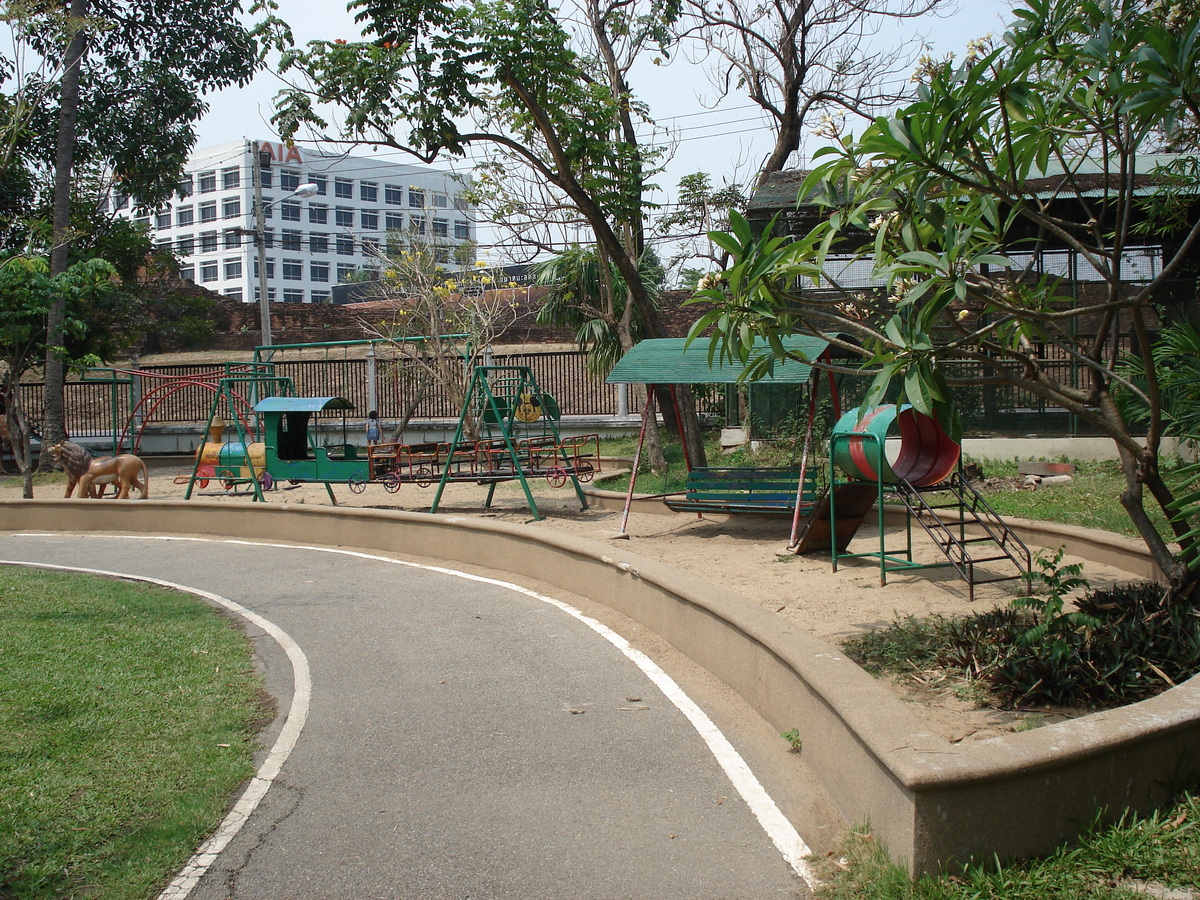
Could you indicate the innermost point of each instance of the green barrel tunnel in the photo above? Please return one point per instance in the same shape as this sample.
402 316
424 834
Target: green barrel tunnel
926 456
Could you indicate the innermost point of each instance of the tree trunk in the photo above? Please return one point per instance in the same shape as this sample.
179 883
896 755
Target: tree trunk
54 410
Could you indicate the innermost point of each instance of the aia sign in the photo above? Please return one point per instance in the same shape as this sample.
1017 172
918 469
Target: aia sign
280 153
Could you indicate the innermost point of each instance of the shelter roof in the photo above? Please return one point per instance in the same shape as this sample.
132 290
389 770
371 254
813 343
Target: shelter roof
302 404
669 361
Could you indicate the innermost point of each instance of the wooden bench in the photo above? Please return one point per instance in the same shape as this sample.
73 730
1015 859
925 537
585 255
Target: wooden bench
744 490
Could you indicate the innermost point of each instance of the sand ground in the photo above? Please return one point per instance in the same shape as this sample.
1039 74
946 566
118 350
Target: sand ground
745 554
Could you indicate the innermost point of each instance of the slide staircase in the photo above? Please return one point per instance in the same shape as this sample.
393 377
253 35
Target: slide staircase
976 541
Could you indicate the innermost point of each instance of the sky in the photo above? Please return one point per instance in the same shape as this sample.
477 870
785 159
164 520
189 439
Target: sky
727 141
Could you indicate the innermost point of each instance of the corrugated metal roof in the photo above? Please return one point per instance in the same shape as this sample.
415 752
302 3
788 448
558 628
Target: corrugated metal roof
668 361
302 404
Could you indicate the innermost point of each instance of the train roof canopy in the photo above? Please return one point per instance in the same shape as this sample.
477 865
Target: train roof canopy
669 361
302 404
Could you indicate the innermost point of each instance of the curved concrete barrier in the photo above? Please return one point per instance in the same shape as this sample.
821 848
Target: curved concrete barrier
930 803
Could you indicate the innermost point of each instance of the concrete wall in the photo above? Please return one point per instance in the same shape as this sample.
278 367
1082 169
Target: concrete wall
931 803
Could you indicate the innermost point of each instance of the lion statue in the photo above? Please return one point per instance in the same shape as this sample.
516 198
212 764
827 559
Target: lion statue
121 471
72 459
93 475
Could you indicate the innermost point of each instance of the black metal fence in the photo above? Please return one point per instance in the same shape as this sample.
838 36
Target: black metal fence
184 394
178 395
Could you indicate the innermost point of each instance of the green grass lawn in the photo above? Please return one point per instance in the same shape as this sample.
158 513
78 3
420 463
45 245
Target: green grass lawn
127 721
1134 858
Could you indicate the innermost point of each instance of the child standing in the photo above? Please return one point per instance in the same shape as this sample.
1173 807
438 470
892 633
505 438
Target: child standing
372 428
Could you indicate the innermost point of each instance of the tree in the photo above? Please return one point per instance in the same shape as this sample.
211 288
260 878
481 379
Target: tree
805 57
126 98
1042 141
439 322
27 291
544 86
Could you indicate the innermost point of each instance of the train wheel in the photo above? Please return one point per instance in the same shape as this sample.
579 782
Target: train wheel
356 484
585 471
203 482
424 476
391 482
266 482
228 483
556 476
294 481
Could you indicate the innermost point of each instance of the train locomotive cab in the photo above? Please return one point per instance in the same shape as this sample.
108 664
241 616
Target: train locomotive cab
291 449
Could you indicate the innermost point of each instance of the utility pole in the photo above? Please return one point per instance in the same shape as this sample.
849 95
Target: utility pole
260 242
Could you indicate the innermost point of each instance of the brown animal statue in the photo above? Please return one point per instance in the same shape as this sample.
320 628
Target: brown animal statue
73 459
120 470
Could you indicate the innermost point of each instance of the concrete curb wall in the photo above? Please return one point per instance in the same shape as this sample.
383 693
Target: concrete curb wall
928 801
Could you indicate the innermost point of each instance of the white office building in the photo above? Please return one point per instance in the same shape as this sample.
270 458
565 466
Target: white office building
312 242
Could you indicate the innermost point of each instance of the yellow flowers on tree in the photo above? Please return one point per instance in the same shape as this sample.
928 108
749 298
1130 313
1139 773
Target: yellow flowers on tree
439 320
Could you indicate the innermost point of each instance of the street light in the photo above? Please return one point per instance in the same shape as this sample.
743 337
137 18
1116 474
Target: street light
260 238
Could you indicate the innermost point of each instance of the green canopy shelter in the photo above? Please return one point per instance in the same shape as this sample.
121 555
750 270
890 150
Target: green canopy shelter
672 361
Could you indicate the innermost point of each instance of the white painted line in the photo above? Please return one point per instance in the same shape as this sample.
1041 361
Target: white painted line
781 832
204 857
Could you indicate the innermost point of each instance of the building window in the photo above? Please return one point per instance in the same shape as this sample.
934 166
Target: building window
393 194
462 231
441 254
343 217
460 202
208 242
231 207
208 271
208 211
318 242
231 178
233 268
162 219
270 295
418 225
344 244
234 294
343 188
266 177
292 295
233 240
185 187
441 228
321 297
208 182
289 179
184 215
162 244
393 221
370 247
319 271
321 182
440 201
187 272
293 270
270 271
185 245
416 198
289 212
292 239
369 219
318 214
268 237
368 192
345 272
120 201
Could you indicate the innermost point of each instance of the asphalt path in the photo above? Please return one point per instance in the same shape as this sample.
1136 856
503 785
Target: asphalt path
449 736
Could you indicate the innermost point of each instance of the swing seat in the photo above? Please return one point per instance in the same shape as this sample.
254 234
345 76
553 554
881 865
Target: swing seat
744 490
